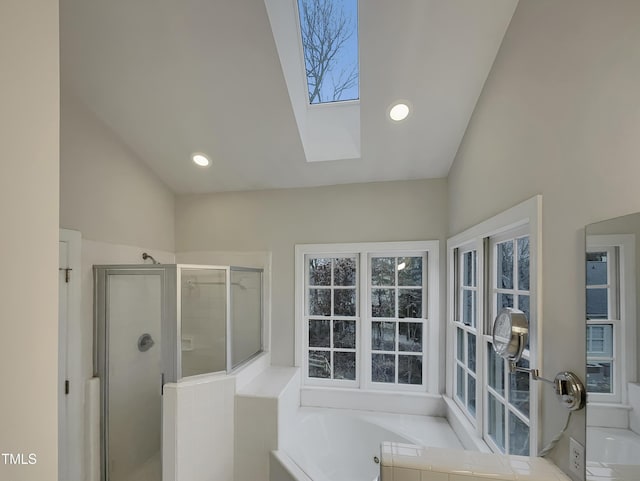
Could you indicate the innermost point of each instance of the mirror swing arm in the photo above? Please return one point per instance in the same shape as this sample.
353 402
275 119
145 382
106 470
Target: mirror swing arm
510 332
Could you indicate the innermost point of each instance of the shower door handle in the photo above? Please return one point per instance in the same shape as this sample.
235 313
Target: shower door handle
161 384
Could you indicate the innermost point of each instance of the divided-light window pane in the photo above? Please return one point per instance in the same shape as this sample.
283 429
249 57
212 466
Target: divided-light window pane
598 303
518 436
600 358
596 268
508 394
466 337
599 377
383 347
471 399
332 293
603 304
505 265
397 311
329 35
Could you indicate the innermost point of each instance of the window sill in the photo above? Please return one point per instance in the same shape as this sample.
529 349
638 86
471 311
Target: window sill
612 415
465 431
424 404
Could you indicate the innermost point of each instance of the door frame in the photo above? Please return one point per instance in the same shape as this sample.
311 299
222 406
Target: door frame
70 408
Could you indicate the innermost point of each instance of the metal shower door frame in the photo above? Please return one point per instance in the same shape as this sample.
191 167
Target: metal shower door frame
169 356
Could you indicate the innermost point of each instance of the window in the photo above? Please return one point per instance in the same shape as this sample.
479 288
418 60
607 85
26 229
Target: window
332 316
329 34
397 295
465 337
611 316
494 265
369 315
325 103
603 320
508 394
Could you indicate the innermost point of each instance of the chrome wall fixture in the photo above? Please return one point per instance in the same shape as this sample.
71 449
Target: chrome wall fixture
146 256
145 342
510 333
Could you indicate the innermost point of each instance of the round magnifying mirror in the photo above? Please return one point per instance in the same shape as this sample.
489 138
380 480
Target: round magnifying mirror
510 330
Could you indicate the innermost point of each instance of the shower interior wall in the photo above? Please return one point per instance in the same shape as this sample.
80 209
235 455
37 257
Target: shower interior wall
203 321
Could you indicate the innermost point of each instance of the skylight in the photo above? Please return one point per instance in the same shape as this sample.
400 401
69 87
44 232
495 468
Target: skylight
329 33
329 129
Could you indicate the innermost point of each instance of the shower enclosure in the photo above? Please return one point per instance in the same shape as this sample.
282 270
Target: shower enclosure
159 323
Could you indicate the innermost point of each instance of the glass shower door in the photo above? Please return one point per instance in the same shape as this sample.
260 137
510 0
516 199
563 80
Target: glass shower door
132 328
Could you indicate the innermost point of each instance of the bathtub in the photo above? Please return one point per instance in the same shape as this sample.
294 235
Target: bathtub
613 446
343 445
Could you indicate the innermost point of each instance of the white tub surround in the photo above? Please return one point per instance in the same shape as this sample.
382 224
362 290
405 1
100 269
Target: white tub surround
608 415
633 390
198 430
613 446
423 404
610 472
282 468
408 462
466 433
264 410
612 452
341 445
246 373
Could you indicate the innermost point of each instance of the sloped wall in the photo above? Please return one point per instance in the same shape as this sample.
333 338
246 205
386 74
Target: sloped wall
558 116
106 191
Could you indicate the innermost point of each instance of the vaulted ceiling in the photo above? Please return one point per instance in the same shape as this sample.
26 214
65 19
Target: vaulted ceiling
171 78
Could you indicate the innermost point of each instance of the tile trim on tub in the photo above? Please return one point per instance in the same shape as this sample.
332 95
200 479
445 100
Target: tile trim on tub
406 461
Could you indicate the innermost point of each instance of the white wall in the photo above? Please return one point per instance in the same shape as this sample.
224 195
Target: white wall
559 116
119 206
276 220
198 429
29 160
106 191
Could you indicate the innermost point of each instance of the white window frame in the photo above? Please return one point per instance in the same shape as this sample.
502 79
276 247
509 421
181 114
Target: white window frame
458 324
431 327
527 214
493 291
369 384
622 293
357 318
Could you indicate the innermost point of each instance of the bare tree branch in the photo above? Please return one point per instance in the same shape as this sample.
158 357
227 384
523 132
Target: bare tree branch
325 31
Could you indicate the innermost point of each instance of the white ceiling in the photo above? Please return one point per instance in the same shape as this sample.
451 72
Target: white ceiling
174 77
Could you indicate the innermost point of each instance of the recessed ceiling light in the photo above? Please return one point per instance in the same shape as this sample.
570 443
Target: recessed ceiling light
399 112
201 160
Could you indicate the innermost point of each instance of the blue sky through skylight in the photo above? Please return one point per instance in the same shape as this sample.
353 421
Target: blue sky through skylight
329 30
